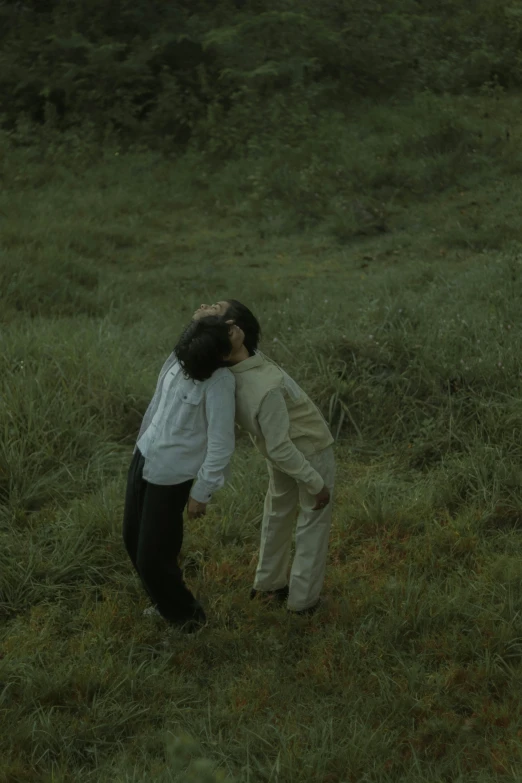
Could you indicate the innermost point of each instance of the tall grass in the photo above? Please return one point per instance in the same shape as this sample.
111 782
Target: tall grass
410 344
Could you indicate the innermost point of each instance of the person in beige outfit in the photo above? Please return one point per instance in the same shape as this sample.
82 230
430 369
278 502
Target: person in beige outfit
290 432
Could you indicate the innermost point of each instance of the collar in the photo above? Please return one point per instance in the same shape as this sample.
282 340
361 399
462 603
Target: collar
253 361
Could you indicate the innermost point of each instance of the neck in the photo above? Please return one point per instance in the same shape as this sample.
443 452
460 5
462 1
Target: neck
239 356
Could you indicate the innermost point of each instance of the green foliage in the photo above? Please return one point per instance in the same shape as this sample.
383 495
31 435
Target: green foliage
221 75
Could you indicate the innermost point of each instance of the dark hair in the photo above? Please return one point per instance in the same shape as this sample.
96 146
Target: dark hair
246 321
202 346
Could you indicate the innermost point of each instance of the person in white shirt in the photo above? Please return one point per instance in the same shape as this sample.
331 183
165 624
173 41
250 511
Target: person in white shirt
181 458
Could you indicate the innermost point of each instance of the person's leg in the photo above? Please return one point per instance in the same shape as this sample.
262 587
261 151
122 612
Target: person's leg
161 537
134 497
281 503
311 539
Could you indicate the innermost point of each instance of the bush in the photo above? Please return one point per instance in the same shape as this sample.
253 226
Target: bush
221 75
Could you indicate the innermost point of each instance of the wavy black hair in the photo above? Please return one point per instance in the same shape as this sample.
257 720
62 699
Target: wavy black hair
202 347
246 320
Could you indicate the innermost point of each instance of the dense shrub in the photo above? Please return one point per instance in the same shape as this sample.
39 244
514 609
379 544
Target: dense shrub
218 73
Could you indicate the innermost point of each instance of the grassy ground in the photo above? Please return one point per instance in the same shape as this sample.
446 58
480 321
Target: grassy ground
405 326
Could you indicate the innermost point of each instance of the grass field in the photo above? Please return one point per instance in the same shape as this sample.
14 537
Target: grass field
401 315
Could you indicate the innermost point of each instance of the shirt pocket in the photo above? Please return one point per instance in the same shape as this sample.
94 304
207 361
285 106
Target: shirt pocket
187 412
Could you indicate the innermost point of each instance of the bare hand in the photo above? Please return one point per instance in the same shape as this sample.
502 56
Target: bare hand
322 499
195 509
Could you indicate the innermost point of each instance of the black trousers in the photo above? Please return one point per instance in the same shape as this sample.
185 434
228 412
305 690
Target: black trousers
153 535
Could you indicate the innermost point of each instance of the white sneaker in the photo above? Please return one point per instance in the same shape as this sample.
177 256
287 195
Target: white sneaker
151 611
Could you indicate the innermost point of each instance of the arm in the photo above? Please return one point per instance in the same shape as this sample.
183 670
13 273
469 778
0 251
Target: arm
220 406
153 404
274 422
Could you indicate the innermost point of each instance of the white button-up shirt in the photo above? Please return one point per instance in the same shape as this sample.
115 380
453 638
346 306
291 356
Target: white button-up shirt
188 430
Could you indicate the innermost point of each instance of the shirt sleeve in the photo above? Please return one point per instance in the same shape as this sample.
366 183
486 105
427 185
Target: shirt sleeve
274 422
220 408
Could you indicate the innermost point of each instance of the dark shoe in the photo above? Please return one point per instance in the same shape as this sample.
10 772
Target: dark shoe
306 612
279 596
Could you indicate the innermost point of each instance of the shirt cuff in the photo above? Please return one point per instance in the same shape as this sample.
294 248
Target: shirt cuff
315 484
201 491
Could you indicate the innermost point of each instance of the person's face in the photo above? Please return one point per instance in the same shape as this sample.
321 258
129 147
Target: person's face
203 310
236 334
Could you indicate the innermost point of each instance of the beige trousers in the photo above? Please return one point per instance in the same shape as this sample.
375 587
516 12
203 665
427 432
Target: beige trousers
284 497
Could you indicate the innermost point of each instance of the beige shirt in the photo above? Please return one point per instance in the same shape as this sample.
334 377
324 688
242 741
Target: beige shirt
281 419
